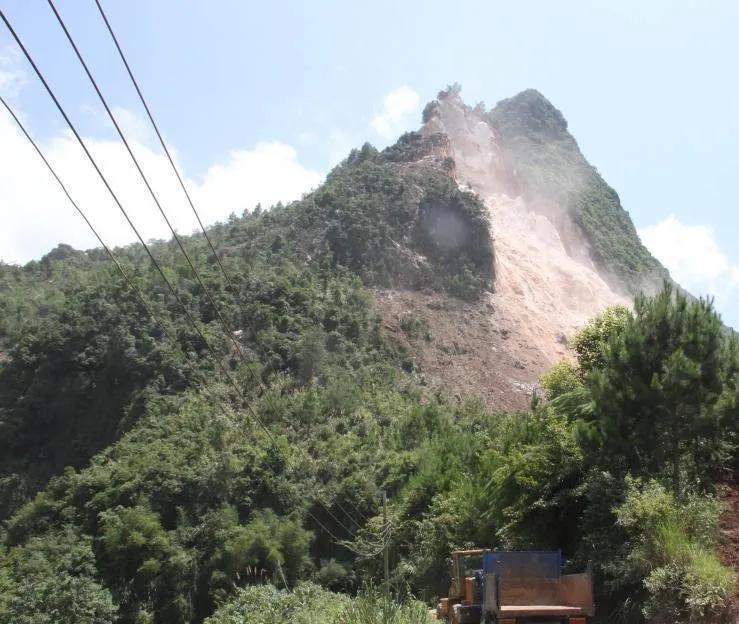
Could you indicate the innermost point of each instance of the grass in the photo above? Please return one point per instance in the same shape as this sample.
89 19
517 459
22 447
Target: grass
311 604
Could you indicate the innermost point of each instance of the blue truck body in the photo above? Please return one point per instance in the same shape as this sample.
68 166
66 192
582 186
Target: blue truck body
517 563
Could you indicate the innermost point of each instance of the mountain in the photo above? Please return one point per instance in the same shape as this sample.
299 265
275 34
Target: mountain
485 238
154 472
564 248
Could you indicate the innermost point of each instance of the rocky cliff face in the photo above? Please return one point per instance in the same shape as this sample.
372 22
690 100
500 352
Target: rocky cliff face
564 249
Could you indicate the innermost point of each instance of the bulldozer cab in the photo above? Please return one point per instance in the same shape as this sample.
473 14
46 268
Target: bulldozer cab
465 563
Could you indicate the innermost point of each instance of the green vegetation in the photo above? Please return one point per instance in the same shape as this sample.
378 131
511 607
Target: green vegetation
309 604
562 475
132 492
666 392
562 379
81 356
415 327
549 164
52 579
171 495
589 343
397 222
671 547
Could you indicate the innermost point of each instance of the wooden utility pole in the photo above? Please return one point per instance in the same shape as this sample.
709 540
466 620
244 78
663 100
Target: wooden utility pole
386 548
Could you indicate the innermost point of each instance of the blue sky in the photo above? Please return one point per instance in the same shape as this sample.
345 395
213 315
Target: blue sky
259 100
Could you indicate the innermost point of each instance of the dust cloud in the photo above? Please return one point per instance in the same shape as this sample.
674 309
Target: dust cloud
546 283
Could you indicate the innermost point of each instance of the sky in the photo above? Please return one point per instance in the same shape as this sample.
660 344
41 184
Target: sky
259 100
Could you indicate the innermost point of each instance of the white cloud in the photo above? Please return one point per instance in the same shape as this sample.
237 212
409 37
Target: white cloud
134 127
12 76
37 216
689 251
266 174
396 106
694 258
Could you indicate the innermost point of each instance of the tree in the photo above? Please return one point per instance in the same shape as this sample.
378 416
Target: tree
267 548
660 390
561 379
134 545
311 355
589 343
51 580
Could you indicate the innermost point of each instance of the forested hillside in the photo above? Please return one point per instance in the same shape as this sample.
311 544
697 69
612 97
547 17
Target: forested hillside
138 484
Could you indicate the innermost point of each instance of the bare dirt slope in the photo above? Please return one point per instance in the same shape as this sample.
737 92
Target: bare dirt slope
546 285
462 347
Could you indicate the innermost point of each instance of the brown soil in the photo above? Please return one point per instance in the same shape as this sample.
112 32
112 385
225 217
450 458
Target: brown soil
729 550
467 350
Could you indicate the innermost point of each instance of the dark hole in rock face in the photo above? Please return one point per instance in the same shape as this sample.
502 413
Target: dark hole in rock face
443 226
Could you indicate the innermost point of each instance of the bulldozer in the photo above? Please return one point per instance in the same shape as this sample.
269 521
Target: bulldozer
515 587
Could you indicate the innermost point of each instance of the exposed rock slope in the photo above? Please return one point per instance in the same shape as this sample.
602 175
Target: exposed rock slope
564 249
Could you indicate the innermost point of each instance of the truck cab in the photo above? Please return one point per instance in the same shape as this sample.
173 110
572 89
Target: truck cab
515 587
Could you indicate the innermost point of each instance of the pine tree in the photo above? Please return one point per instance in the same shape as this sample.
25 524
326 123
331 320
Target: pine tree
660 394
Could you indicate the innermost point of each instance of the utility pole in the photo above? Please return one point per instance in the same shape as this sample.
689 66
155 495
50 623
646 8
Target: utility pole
386 548
282 574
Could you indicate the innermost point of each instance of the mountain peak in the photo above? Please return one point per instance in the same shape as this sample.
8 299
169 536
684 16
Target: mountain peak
528 113
522 148
532 114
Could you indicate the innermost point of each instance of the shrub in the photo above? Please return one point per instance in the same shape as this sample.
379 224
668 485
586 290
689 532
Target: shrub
670 551
265 604
372 607
309 604
589 343
415 327
561 379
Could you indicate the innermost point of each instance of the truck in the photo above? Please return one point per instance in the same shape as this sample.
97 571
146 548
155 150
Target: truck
515 587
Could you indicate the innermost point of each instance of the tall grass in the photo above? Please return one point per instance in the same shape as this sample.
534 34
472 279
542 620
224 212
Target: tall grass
310 604
372 607
673 552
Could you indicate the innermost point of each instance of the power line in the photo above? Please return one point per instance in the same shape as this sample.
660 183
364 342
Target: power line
131 284
339 505
167 282
169 285
226 326
97 169
339 522
229 281
120 268
354 507
379 546
224 323
163 144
